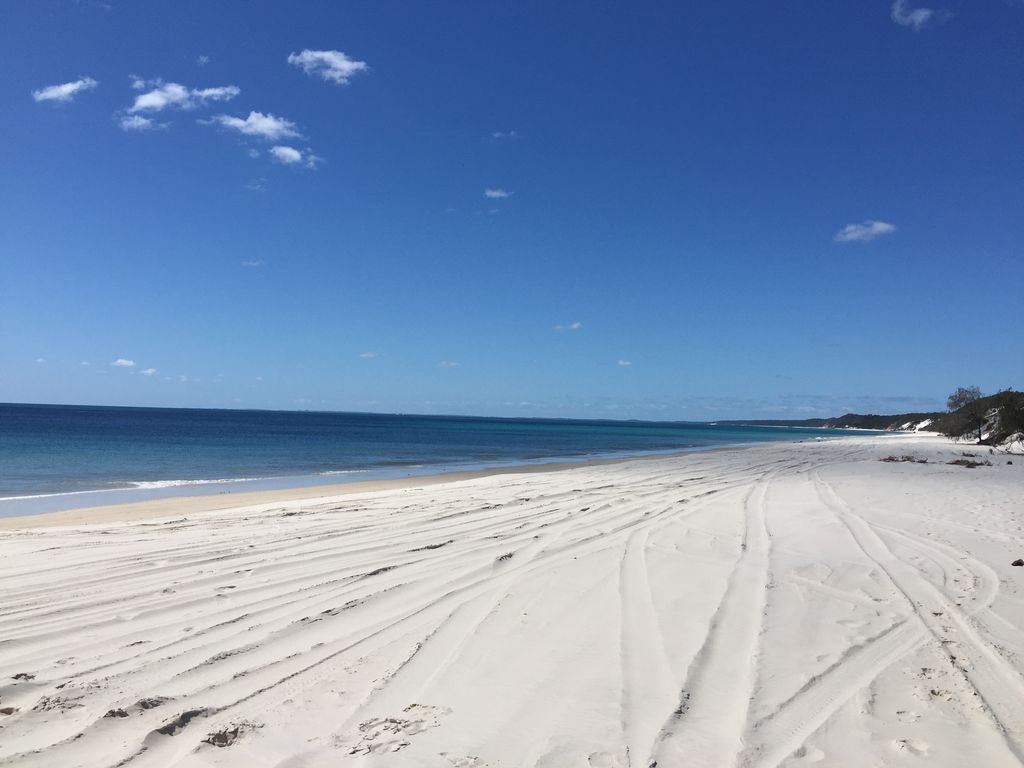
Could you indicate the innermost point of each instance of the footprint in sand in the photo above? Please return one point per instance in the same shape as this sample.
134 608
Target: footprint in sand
381 735
605 760
381 747
808 754
913 746
470 761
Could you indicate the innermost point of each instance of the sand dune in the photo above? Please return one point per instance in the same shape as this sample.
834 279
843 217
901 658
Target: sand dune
786 604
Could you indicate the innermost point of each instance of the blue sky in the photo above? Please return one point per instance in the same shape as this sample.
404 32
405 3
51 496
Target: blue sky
627 210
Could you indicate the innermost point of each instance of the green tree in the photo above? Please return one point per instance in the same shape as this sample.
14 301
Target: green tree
1011 417
967 414
963 396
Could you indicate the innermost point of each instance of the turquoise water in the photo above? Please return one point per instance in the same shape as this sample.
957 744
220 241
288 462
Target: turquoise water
58 457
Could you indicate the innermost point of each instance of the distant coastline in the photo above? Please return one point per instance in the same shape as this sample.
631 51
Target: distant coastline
904 422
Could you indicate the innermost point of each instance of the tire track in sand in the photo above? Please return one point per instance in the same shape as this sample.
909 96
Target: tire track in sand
647 689
706 729
997 684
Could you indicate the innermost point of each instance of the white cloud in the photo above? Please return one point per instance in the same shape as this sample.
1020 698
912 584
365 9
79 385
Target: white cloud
286 155
148 372
256 185
218 93
496 194
449 364
369 355
253 153
138 83
333 66
864 232
499 135
64 92
257 124
86 363
139 123
624 363
293 156
202 60
176 95
915 18
576 326
40 359
254 263
122 363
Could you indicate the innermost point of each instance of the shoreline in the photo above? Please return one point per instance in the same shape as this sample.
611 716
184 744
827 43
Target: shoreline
124 457
154 491
166 506
198 502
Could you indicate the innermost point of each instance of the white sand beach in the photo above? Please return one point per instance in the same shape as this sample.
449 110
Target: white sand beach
787 604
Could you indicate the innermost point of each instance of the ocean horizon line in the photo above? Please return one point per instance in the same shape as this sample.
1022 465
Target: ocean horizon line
750 422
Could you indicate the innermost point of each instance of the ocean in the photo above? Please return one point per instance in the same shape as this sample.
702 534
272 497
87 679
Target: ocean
61 456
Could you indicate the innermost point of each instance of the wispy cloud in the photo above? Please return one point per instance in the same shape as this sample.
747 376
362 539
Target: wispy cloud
449 364
369 355
123 363
916 18
149 372
496 193
64 92
177 96
864 232
256 185
575 326
624 363
293 156
502 135
40 359
264 126
202 60
139 123
254 263
333 66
